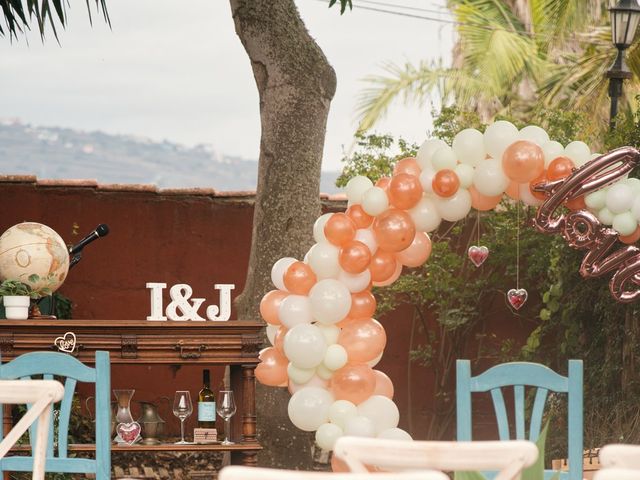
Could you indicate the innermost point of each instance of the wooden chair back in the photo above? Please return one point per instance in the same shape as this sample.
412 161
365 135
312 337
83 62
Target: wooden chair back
253 473
520 375
54 364
509 459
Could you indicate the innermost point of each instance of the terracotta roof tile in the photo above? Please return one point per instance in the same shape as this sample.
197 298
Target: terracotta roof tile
68 182
128 187
18 178
188 191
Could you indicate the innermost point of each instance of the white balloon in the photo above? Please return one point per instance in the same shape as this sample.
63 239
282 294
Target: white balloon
534 134
426 150
366 236
468 146
323 260
295 310
375 361
359 426
596 200
394 434
381 411
498 136
300 375
330 301
465 175
271 333
620 198
625 223
323 372
579 152
355 282
426 179
635 209
315 381
444 158
605 216
318 227
336 357
327 434
634 183
425 215
277 272
375 201
455 207
330 332
551 150
356 188
489 178
309 408
305 346
340 411
527 197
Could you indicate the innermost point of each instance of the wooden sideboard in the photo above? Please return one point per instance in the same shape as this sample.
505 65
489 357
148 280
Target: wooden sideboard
233 343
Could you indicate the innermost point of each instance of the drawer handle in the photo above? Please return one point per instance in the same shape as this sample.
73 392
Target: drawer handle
189 352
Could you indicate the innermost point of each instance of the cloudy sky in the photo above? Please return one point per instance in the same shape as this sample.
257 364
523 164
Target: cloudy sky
175 70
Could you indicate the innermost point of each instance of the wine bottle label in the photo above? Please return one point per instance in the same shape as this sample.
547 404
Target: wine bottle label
206 411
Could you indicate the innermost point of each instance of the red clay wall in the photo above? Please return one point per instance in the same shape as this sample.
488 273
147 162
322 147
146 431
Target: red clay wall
199 237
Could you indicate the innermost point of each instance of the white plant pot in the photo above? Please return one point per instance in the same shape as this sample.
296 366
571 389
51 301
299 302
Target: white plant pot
16 307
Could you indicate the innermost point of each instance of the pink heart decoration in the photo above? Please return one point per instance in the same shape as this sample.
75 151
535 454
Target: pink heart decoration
517 297
129 432
477 254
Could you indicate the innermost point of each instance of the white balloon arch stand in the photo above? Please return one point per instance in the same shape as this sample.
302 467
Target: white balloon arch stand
325 341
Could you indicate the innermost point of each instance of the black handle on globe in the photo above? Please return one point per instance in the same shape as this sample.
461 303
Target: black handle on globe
100 231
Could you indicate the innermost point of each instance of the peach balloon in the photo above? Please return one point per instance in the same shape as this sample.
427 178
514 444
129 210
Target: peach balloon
354 257
523 161
629 239
405 191
391 279
482 202
363 339
361 218
299 278
363 305
407 165
560 168
384 385
270 305
339 229
394 230
272 369
445 183
539 179
417 253
278 340
353 382
383 183
576 203
513 190
383 265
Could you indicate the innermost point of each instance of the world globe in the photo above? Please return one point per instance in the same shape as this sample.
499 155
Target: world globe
33 248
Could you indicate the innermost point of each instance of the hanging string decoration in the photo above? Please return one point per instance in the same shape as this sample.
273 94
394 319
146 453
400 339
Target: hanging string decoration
325 340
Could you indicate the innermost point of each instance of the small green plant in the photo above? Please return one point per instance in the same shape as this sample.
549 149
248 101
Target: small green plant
18 288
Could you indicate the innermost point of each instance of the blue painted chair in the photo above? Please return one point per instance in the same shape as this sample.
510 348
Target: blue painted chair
49 364
520 375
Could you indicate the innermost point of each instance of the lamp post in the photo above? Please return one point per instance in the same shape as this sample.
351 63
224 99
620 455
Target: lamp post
624 22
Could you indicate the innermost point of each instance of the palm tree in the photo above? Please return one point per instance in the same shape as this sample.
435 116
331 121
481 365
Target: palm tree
18 16
512 56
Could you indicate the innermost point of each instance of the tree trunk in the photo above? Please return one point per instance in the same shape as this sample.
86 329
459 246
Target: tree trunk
296 84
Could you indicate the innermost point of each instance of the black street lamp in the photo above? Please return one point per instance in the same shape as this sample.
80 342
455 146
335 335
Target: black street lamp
624 22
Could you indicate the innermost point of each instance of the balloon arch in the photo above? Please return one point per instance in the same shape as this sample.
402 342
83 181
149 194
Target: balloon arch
325 340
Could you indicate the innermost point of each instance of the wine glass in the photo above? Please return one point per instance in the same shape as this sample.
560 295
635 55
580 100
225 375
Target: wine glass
182 408
226 408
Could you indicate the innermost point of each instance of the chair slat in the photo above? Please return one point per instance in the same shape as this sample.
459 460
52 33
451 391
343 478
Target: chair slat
536 414
501 413
65 415
518 405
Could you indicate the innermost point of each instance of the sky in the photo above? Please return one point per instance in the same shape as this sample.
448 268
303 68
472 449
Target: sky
176 70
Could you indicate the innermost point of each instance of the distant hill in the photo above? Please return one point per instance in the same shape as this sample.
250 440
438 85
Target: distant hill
57 153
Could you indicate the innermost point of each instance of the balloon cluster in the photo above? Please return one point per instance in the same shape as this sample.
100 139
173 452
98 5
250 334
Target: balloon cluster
618 205
325 340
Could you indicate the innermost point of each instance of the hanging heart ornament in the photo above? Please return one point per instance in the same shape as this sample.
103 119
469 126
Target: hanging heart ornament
517 298
478 254
129 432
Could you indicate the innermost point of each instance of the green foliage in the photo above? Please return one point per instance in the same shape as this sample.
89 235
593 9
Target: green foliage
343 5
16 287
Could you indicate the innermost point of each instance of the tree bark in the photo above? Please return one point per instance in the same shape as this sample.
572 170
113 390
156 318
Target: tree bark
295 85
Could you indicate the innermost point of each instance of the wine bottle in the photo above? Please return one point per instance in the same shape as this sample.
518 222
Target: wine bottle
206 403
